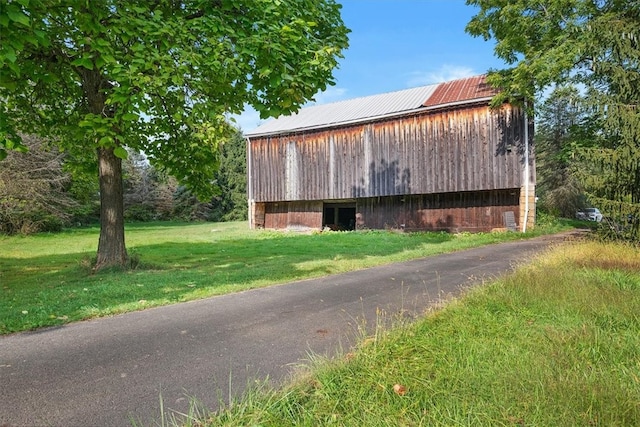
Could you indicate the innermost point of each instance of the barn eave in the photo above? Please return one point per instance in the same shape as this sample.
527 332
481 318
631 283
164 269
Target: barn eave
364 120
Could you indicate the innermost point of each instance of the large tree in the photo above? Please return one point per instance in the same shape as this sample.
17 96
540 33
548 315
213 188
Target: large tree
157 76
593 44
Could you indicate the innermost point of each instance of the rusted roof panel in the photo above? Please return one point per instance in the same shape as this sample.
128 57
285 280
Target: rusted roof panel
377 106
462 90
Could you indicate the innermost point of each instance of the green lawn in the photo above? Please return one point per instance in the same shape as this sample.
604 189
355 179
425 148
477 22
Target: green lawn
46 279
555 344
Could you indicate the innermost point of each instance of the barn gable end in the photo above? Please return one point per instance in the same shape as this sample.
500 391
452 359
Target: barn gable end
445 162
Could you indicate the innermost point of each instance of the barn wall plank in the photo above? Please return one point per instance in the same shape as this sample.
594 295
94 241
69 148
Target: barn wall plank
465 149
454 212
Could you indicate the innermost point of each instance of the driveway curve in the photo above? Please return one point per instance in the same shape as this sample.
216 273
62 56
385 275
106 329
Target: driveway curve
110 371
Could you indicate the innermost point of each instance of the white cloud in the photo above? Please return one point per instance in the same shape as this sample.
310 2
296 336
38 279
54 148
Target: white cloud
331 94
444 74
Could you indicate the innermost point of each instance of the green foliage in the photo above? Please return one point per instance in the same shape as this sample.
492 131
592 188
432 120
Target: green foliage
157 77
13 20
160 77
546 41
150 195
622 221
559 132
231 202
593 44
228 204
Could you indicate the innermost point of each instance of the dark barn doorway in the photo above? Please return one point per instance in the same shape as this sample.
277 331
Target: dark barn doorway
339 216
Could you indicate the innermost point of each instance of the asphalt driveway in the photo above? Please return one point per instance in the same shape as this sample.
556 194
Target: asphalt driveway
108 371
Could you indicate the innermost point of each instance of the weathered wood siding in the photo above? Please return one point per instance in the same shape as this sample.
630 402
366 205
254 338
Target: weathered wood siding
455 212
463 211
293 215
467 149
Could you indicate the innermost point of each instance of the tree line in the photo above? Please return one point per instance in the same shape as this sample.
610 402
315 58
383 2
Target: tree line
585 55
44 189
570 145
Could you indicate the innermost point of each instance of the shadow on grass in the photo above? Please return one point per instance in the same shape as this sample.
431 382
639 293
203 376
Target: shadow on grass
55 289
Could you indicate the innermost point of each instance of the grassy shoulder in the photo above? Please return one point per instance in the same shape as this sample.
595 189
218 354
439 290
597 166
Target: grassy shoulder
46 280
556 343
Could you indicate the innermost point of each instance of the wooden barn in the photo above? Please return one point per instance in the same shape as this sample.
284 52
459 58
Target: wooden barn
428 158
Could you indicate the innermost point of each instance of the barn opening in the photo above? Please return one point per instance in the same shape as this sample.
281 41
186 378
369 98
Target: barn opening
339 216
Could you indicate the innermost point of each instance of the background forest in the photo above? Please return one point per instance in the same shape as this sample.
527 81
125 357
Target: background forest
46 190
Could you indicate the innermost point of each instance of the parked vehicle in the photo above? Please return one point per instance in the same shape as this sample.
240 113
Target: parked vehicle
589 214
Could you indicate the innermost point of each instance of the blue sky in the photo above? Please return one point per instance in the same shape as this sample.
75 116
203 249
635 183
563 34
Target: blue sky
399 44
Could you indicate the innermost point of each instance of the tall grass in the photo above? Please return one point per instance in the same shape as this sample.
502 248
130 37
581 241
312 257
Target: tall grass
46 279
555 344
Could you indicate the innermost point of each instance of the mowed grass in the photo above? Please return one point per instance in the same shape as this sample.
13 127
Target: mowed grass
46 279
555 344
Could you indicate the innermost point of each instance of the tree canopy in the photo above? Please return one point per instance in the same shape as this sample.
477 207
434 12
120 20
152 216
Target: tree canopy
158 77
594 46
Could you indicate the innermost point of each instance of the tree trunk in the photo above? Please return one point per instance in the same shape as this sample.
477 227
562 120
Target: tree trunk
111 247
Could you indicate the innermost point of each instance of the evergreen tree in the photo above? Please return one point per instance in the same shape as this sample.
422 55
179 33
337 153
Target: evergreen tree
593 44
561 129
231 179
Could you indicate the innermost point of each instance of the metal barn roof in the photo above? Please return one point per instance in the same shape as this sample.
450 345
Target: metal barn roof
460 91
378 106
